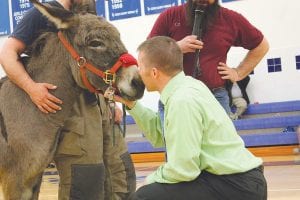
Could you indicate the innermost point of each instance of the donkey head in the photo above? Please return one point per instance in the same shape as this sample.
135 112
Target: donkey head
95 46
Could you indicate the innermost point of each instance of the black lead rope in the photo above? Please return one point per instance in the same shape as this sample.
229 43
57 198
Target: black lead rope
112 105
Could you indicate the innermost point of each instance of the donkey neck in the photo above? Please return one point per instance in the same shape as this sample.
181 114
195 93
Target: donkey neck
51 65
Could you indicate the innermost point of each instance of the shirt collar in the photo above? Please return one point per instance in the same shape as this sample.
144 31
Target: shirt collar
171 87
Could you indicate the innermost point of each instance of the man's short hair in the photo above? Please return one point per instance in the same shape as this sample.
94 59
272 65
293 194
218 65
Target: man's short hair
163 53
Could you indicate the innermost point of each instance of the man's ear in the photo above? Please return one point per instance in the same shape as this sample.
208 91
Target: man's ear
154 72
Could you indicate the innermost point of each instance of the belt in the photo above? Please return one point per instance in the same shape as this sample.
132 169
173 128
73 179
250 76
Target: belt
260 168
217 88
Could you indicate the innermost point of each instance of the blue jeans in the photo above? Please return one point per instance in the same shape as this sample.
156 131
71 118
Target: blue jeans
221 95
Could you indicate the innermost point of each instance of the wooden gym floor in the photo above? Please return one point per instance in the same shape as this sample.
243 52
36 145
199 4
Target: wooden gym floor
282 174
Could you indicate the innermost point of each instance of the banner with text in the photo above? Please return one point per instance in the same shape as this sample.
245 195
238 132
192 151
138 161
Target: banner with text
122 9
4 19
19 9
157 6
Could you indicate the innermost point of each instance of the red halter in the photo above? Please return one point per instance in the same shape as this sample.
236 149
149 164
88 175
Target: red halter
109 76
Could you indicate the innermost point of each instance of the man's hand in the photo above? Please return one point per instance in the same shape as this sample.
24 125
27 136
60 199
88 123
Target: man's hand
228 73
190 44
129 104
41 97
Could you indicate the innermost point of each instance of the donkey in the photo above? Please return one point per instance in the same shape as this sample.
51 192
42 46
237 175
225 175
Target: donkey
73 59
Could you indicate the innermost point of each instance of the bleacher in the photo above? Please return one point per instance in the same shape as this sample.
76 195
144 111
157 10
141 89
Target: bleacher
267 129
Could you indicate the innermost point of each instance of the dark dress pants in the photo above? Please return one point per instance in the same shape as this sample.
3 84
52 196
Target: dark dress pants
249 185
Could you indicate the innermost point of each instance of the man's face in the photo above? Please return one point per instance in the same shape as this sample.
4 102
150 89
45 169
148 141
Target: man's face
145 72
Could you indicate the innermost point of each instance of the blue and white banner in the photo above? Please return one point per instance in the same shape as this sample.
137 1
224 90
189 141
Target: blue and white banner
4 19
100 7
19 9
122 9
157 6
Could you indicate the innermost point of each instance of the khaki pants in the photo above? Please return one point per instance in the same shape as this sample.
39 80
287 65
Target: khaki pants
90 167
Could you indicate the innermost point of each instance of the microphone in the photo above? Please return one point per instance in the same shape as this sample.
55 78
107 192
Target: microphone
197 30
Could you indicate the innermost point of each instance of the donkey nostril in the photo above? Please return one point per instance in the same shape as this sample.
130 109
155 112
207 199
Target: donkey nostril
134 83
137 83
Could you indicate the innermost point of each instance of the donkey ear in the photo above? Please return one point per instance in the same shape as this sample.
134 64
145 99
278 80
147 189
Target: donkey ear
84 6
63 19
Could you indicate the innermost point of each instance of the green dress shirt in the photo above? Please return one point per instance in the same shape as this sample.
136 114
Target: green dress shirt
198 134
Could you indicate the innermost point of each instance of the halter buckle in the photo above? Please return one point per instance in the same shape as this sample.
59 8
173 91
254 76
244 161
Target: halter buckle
109 78
81 61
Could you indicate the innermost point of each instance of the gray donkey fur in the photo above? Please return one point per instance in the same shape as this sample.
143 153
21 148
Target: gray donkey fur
28 137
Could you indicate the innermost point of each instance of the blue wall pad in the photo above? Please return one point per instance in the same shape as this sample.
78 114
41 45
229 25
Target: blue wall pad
129 120
142 147
256 123
275 107
251 140
268 122
270 139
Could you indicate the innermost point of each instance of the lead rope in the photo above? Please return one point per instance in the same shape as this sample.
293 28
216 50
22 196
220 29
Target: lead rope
112 122
124 120
123 130
110 91
112 106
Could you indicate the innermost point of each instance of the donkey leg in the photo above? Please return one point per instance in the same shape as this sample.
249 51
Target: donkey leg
15 189
36 185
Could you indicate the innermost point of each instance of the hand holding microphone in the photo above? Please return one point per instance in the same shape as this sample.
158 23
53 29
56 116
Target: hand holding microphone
189 44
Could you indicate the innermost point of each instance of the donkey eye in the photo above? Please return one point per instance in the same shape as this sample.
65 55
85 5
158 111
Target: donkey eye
96 43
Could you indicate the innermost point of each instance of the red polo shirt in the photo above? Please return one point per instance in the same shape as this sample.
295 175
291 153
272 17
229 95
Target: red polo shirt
229 29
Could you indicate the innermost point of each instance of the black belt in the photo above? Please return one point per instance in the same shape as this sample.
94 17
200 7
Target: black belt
260 168
217 88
